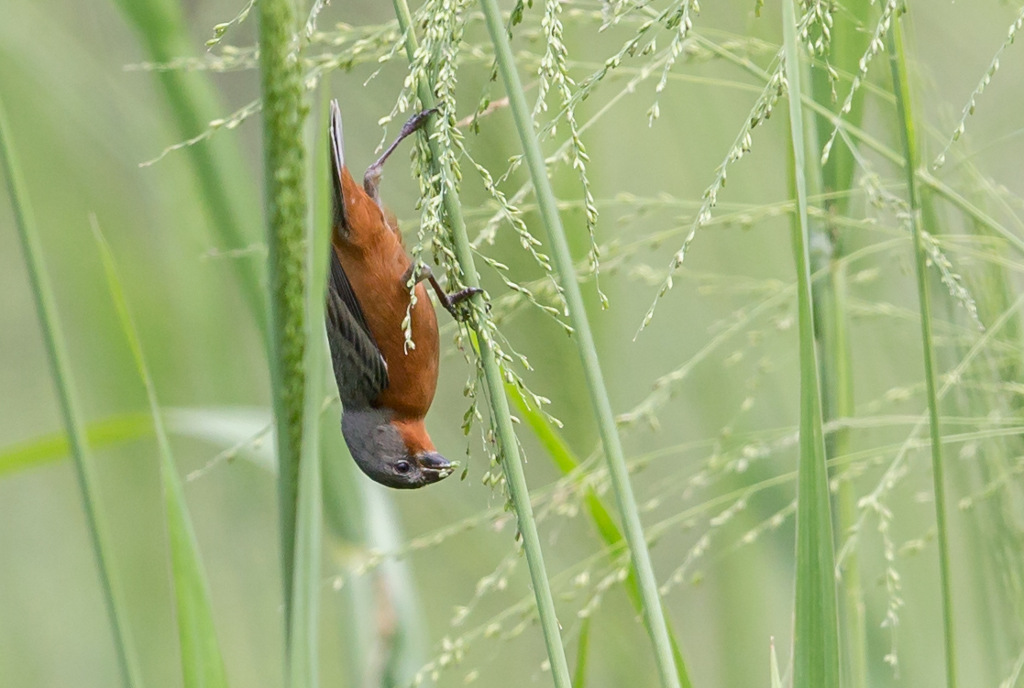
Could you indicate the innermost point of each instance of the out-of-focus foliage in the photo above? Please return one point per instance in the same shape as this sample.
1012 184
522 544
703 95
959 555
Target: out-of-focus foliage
645 111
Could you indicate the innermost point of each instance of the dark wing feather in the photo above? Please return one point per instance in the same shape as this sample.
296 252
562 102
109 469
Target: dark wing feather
359 368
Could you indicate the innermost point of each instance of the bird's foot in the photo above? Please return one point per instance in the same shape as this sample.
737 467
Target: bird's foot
449 301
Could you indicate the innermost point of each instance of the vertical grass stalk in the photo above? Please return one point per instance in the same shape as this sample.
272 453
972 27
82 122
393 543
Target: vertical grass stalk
511 461
846 45
53 338
816 623
901 88
303 662
303 659
221 174
285 193
619 474
566 461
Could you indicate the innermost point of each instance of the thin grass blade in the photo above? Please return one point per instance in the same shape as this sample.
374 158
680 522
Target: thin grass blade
201 661
53 338
508 445
846 44
654 616
816 623
908 135
579 675
567 461
47 449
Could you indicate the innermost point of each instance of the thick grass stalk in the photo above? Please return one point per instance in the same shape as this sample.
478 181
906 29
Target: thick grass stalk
633 529
303 660
303 663
511 461
202 664
53 338
285 193
221 174
901 87
816 622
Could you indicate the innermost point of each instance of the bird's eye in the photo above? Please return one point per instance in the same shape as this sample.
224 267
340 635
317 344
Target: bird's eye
402 467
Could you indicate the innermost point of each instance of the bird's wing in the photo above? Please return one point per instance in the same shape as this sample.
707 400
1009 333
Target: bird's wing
359 368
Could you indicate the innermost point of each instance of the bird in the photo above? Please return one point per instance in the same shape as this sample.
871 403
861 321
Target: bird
385 387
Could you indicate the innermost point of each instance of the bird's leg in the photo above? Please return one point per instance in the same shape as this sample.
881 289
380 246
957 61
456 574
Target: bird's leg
371 180
449 301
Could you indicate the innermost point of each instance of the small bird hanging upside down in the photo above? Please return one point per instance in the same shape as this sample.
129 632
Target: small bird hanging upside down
385 390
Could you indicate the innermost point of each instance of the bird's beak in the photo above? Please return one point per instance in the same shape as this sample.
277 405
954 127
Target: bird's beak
435 465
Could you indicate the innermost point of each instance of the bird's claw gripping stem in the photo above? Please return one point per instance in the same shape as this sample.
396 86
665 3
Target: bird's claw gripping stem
449 301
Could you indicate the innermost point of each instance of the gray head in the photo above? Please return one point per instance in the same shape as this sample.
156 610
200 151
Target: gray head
380 451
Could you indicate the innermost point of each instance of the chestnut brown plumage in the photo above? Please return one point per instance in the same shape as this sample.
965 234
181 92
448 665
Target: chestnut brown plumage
385 388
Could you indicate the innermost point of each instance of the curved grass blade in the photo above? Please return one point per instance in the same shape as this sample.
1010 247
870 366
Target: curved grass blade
54 447
239 430
567 461
53 338
201 662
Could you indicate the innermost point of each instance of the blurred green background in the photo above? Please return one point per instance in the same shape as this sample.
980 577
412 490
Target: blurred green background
714 478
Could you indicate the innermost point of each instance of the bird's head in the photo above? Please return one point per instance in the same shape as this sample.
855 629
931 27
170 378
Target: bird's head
395 453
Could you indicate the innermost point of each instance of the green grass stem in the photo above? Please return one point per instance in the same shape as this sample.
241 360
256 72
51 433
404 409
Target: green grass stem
567 461
816 623
562 258
579 675
511 461
284 111
908 136
831 308
60 368
202 664
223 181
303 661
